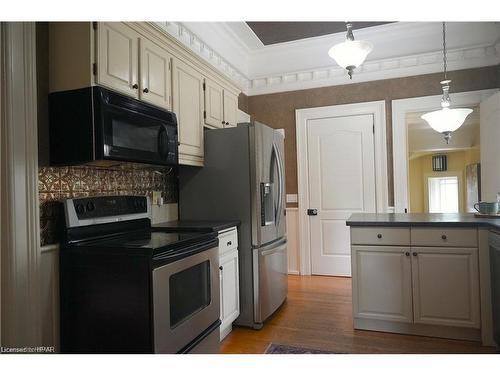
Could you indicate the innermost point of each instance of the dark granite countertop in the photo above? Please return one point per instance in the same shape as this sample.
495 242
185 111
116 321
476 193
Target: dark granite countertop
195 225
407 220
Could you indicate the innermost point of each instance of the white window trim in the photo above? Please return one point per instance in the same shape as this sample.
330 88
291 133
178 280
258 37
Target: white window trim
302 116
400 108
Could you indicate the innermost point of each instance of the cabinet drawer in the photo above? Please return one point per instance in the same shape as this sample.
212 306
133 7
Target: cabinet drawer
380 236
444 237
228 240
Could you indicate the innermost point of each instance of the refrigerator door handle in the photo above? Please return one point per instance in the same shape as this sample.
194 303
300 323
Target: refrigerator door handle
281 247
280 184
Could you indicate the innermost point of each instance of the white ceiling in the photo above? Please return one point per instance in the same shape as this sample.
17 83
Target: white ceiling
400 49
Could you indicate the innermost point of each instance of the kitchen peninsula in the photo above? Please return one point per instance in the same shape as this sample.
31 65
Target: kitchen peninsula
423 274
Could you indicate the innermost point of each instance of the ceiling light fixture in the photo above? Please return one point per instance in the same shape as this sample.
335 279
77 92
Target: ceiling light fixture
446 120
351 53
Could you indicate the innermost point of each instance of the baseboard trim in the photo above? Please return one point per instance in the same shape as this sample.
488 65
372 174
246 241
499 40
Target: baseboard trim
458 333
225 331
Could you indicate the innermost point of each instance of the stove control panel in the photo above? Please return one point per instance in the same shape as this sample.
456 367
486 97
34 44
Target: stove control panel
95 210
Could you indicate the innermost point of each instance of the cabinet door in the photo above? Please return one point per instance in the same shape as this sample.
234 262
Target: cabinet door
214 104
230 306
117 58
188 106
446 286
230 109
381 283
156 82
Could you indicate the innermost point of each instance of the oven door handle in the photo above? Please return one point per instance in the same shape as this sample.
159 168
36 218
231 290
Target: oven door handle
173 256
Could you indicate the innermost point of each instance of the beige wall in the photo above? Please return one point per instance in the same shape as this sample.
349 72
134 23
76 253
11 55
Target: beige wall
278 110
421 167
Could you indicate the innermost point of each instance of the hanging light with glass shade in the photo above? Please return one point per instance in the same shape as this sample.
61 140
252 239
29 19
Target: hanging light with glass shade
446 120
351 53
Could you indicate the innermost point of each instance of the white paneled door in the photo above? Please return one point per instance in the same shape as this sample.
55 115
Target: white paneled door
341 169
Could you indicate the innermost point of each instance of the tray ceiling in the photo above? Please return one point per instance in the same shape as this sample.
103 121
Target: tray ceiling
279 32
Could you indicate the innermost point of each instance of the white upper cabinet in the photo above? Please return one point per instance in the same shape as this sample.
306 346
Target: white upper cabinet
446 286
230 109
138 60
117 58
156 74
214 104
221 106
188 106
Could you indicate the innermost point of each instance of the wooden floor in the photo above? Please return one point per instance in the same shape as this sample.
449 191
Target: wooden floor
318 315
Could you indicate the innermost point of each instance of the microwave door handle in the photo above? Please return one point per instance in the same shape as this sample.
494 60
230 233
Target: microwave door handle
163 142
280 184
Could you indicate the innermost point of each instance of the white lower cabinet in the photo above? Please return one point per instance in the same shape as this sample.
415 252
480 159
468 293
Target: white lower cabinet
229 284
429 290
446 286
382 283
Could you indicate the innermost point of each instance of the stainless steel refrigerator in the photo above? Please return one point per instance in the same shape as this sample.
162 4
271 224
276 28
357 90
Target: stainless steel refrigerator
243 178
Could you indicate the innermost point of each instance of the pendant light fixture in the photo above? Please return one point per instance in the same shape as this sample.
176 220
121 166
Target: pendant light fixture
446 120
351 53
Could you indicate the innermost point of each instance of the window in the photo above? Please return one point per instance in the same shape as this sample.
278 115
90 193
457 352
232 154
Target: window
443 194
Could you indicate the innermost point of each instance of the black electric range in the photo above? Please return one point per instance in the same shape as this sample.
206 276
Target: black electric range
127 289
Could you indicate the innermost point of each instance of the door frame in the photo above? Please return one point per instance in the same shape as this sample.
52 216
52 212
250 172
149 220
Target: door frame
302 116
400 134
19 210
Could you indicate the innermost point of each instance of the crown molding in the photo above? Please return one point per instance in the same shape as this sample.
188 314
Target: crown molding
405 66
401 49
197 45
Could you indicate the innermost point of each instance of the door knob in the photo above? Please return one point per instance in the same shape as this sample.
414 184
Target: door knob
135 86
407 253
312 211
146 90
227 123
443 237
222 122
379 235
221 268
414 254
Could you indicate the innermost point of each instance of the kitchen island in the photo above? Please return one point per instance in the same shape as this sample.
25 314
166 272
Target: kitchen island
422 274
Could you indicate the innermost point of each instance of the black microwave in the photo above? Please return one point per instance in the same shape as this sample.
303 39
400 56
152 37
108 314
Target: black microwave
95 124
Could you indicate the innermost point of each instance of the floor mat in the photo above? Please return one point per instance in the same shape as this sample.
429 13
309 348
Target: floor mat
287 349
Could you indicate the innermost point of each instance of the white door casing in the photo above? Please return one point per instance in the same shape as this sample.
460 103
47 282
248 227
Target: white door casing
20 229
490 152
303 116
341 182
400 108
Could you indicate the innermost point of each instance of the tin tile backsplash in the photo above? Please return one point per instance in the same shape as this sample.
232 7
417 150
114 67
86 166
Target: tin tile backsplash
58 183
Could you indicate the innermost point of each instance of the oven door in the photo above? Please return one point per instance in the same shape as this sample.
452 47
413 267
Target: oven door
136 132
186 300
